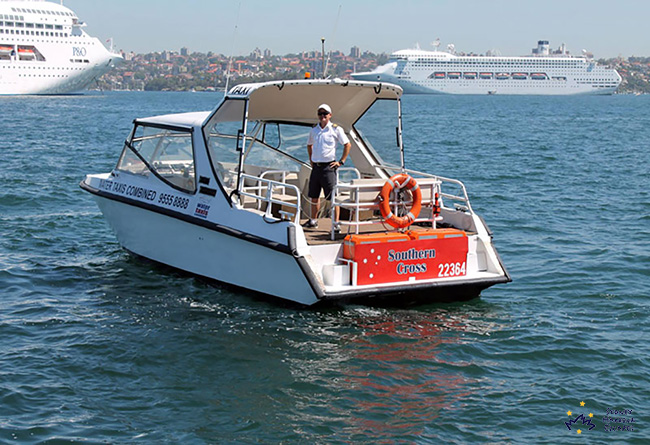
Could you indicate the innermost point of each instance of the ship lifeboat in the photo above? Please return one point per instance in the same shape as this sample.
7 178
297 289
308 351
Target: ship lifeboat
503 76
470 75
439 75
519 76
453 75
486 75
6 49
538 76
26 53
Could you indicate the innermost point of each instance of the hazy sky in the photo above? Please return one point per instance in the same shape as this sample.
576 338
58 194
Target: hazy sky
604 27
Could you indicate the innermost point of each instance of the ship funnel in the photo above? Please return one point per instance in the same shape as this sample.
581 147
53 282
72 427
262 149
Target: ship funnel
542 48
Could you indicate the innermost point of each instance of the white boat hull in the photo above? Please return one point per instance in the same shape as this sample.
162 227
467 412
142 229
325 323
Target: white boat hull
206 252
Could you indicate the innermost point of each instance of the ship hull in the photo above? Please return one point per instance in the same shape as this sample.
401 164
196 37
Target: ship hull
438 72
45 50
482 87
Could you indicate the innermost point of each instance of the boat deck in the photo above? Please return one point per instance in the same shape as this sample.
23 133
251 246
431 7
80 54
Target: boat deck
322 234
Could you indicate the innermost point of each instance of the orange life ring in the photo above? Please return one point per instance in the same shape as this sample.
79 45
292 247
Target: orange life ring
400 181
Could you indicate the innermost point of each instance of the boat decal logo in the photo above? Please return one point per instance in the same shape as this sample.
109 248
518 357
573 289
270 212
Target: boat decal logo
202 210
240 91
127 190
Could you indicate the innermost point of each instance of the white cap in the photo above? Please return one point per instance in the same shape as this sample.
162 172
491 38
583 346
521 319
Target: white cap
325 107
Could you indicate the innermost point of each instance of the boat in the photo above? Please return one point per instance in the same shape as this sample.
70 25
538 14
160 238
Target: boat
222 194
419 71
44 49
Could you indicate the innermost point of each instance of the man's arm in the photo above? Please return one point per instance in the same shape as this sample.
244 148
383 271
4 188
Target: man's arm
346 152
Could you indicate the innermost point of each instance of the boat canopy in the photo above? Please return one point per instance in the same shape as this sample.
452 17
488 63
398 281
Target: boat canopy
181 120
297 100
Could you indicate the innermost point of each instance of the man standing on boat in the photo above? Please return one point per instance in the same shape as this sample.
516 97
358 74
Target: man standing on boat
321 146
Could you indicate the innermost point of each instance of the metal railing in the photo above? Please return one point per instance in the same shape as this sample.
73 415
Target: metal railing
271 192
364 197
454 197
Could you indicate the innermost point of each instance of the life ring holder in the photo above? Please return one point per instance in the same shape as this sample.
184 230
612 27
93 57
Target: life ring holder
400 181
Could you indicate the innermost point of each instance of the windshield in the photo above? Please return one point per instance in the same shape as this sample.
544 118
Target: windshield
264 146
167 153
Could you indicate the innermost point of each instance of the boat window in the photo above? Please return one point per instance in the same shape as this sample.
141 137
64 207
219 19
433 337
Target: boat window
275 146
222 134
167 153
377 127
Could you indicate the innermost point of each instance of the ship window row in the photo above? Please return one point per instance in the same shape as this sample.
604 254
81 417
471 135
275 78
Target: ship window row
34 67
520 63
41 11
33 33
30 25
43 75
491 61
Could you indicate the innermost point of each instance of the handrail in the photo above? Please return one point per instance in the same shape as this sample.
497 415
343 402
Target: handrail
457 194
464 198
356 204
270 186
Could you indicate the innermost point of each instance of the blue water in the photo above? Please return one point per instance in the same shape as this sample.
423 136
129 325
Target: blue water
101 347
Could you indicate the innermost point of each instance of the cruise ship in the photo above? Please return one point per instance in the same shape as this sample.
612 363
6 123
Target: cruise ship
544 72
45 50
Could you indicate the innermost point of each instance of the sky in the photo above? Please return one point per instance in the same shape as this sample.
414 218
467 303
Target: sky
605 28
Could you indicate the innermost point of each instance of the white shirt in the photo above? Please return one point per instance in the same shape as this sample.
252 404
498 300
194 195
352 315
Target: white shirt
323 142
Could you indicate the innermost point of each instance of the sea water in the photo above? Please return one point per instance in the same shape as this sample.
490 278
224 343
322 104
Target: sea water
102 347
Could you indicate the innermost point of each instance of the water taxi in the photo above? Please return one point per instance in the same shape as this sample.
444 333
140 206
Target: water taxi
222 194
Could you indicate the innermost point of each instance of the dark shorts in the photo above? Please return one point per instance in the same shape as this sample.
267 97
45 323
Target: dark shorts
322 177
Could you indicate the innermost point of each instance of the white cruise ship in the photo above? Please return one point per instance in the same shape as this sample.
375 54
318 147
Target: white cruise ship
44 49
543 72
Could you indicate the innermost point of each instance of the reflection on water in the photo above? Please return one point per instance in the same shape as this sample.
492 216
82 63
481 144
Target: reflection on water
396 371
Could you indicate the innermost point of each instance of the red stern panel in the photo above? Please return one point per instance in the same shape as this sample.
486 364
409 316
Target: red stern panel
399 257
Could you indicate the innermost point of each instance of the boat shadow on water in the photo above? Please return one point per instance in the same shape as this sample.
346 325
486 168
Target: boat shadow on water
407 300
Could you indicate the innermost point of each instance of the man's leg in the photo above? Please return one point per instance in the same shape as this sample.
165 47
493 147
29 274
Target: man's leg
315 207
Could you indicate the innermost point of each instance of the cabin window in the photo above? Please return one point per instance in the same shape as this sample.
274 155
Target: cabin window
278 146
165 152
223 135
378 130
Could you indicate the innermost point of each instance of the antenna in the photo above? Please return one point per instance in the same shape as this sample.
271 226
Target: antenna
232 49
322 55
336 25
